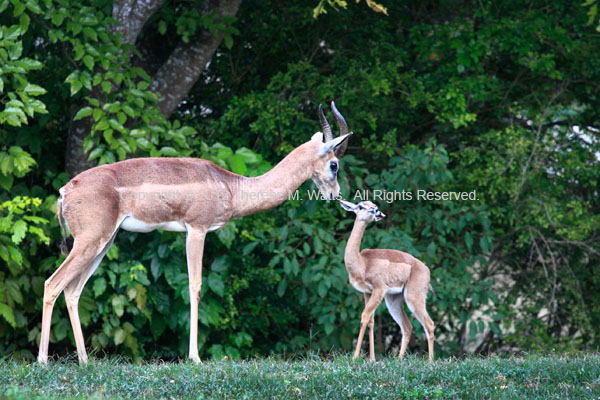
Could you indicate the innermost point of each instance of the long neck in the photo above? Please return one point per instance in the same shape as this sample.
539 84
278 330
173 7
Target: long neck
352 258
251 195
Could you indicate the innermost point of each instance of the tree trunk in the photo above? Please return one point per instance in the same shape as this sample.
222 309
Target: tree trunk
76 160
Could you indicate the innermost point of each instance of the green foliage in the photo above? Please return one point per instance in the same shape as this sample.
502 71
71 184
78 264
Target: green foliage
17 94
321 7
188 22
21 226
592 12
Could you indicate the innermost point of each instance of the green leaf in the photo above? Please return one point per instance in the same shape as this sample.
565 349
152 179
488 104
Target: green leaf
468 240
75 87
12 33
106 86
95 153
281 287
431 248
113 252
6 181
7 313
215 283
19 229
143 143
119 336
162 27
472 329
30 64
237 164
34 90
57 18
484 244
97 114
90 33
18 8
102 124
15 254
24 22
13 291
84 112
61 329
249 247
228 39
155 267
322 289
220 264
117 304
168 151
227 234
248 155
99 286
89 62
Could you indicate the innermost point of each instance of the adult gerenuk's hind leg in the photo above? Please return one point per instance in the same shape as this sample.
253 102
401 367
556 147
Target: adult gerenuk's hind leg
73 292
76 265
93 229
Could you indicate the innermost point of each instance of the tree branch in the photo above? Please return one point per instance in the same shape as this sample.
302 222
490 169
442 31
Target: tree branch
132 15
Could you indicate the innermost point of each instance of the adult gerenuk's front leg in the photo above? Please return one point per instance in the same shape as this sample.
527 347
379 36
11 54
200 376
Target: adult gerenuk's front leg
194 250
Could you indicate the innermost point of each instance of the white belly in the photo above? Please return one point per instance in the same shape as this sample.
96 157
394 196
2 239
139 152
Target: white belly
215 227
394 290
135 225
362 287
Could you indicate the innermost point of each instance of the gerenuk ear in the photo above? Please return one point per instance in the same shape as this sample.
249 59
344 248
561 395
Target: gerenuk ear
333 144
317 136
348 206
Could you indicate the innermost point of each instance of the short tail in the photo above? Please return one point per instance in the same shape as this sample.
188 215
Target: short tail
64 249
432 291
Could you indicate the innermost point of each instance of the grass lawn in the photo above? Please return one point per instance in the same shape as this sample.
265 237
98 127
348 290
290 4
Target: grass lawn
535 376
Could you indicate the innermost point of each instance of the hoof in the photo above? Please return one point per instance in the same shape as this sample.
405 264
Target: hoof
195 359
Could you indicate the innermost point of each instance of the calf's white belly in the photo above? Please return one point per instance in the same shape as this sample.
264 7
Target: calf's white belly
366 287
394 290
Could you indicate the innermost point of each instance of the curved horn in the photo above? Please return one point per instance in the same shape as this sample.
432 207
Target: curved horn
325 125
343 130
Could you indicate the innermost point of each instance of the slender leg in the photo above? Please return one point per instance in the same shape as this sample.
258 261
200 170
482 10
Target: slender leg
417 306
195 249
367 313
371 333
394 305
73 292
77 262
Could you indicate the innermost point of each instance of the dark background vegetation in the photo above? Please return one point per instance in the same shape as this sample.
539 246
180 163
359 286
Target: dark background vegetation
497 97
